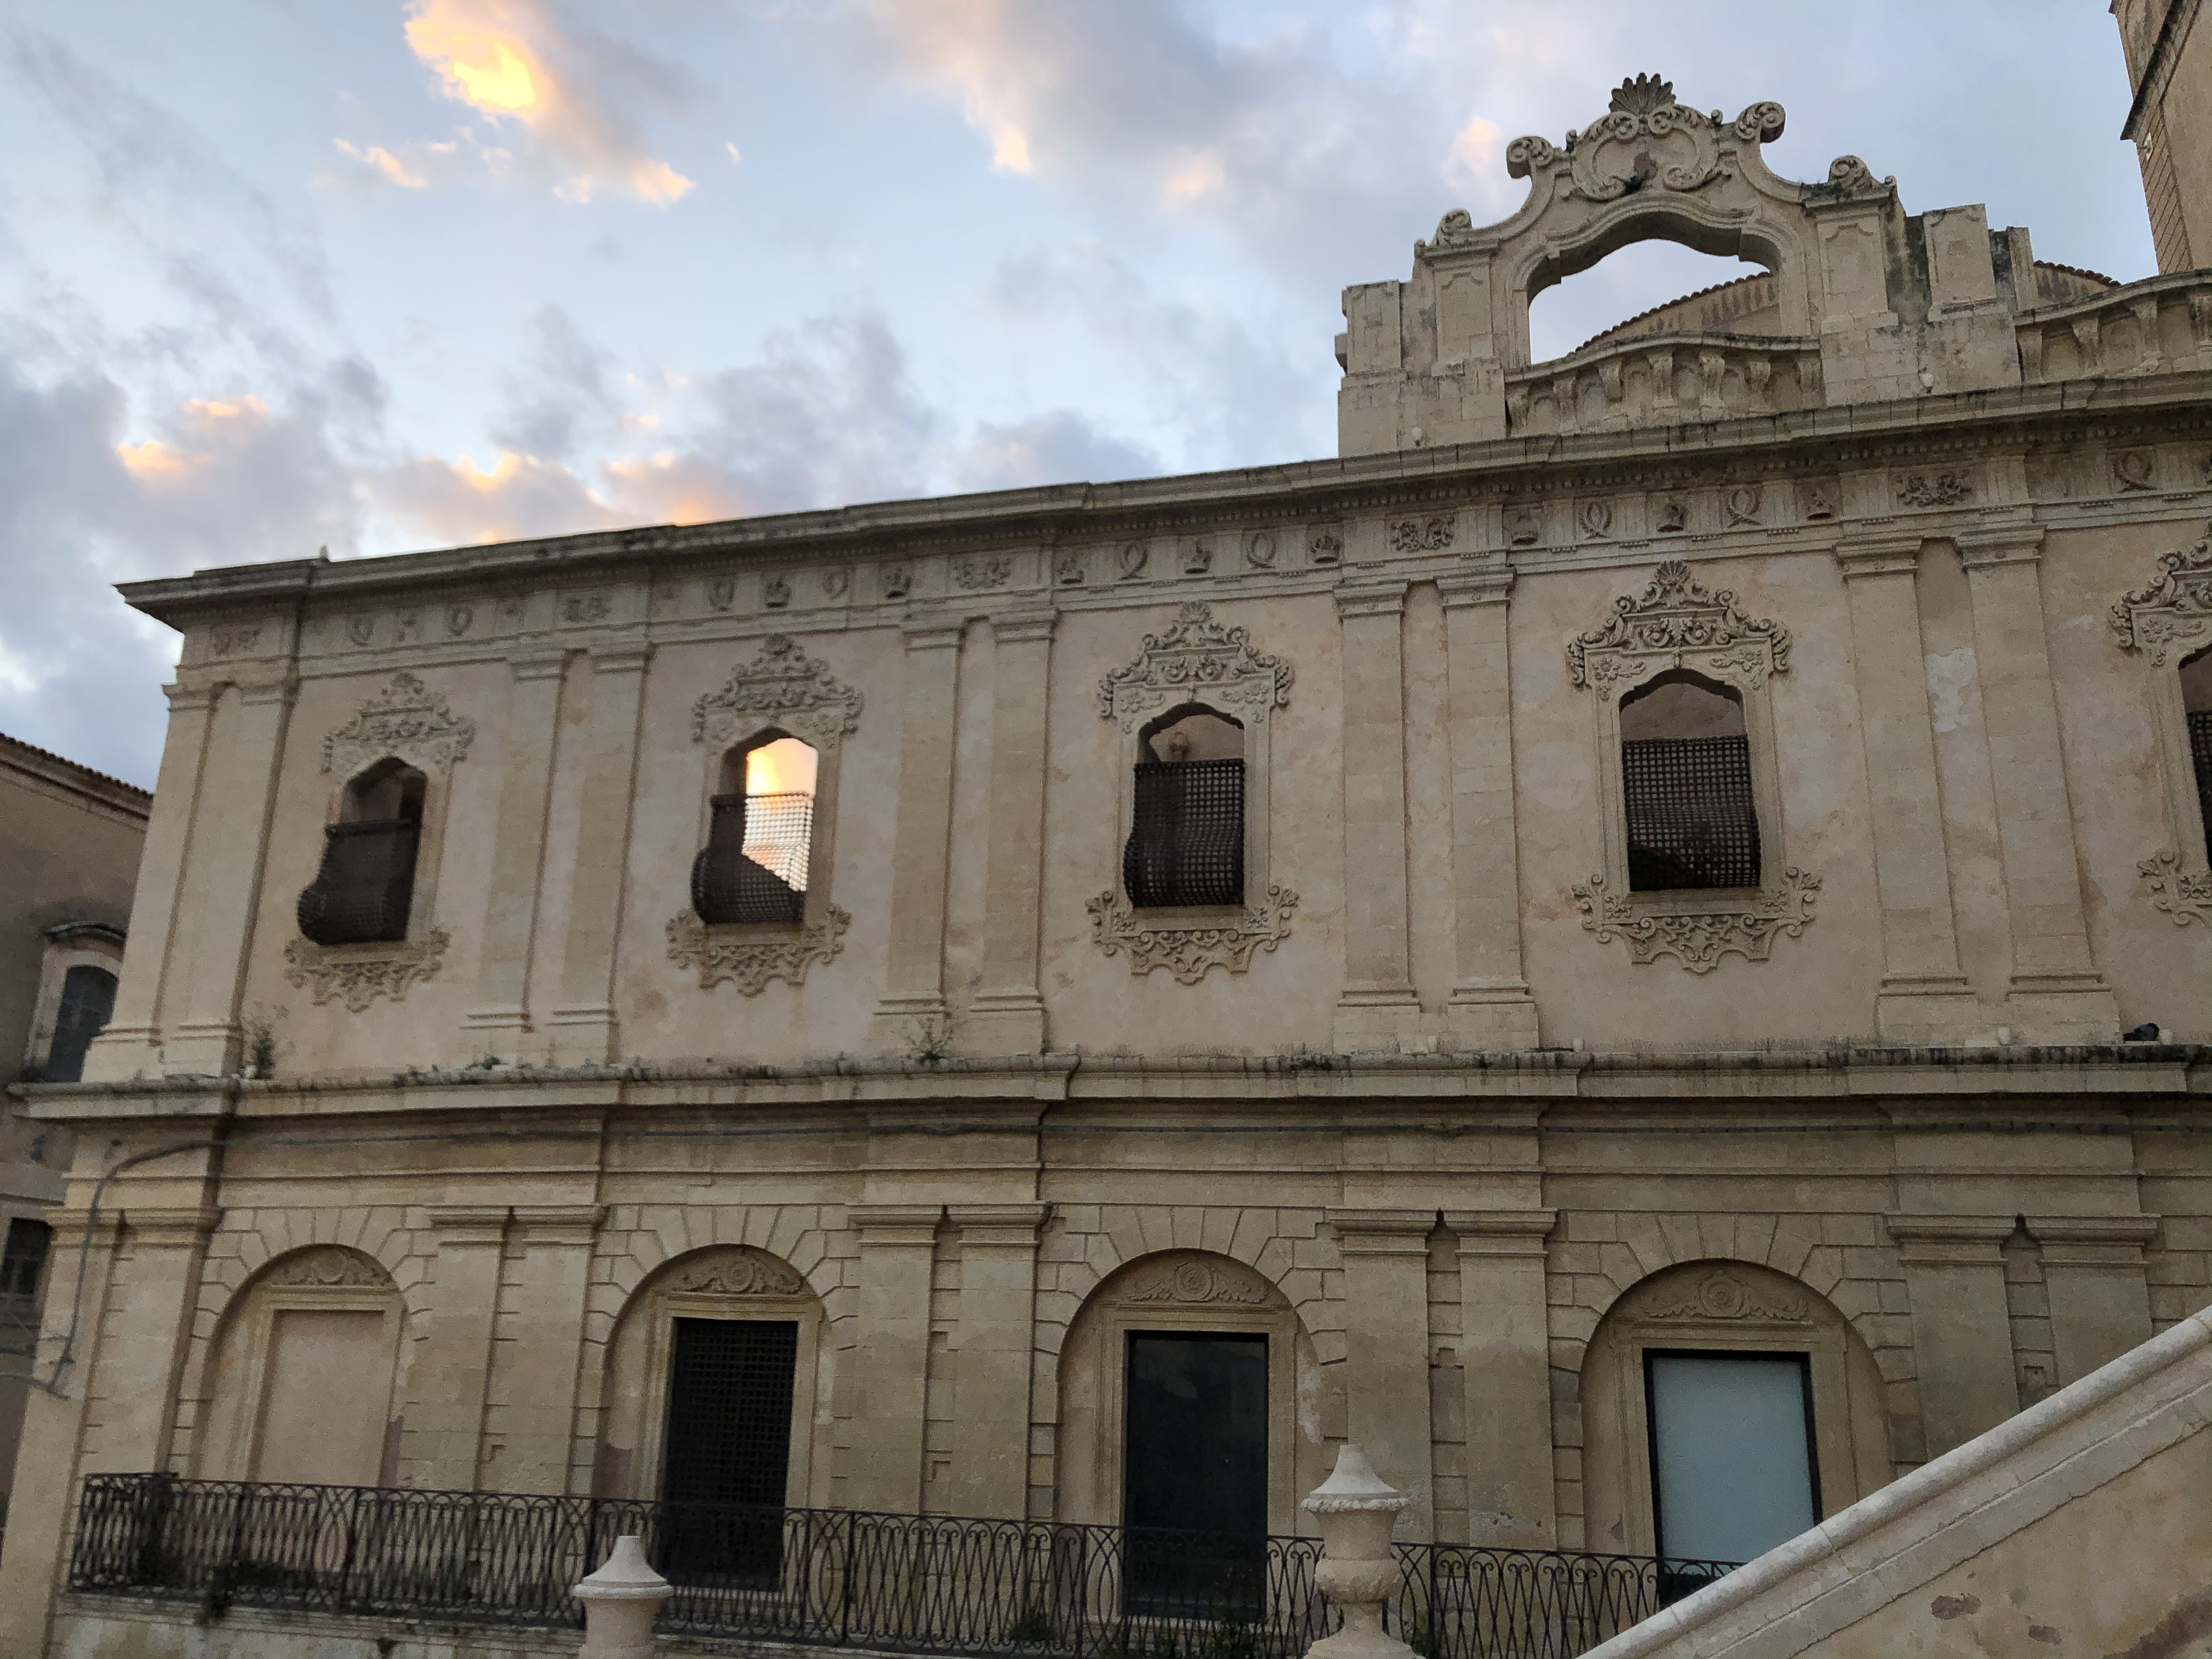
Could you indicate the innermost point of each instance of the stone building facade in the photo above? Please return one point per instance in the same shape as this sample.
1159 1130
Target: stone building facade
2170 120
1692 851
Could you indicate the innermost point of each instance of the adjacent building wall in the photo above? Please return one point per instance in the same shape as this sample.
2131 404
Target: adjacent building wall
2169 72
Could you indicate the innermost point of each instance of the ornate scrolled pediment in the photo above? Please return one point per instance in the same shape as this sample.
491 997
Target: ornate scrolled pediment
329 1265
1718 1294
1190 1277
784 687
737 1270
2173 609
1644 141
1196 658
1689 625
405 722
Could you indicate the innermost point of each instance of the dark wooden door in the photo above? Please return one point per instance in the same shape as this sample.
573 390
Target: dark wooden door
1196 1464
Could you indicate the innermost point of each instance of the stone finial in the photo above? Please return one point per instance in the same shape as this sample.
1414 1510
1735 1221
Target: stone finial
1356 1510
621 1601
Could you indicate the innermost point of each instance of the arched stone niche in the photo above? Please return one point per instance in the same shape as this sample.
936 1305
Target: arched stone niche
299 1384
723 1282
1184 1291
1722 1307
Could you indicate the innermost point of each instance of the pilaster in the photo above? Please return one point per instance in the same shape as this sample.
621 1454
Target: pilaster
1007 1015
2094 1276
1961 1323
1386 1350
914 983
543 1327
891 1376
584 1030
510 917
1377 1005
448 1385
998 1245
1512 1502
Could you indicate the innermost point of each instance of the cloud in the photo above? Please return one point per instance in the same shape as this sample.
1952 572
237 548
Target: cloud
1062 447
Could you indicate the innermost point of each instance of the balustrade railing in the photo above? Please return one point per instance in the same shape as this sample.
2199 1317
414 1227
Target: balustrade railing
912 1583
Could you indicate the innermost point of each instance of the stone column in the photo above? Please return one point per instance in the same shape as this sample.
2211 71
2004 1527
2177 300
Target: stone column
131 1045
991 1357
444 1414
1491 1006
544 1322
1377 1004
914 988
1923 996
231 840
890 1367
1505 1349
1386 1351
2094 1276
510 916
1961 1324
2056 993
584 1030
137 1353
1007 1016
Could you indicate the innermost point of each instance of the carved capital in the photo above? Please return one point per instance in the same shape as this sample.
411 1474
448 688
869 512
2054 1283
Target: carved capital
1881 555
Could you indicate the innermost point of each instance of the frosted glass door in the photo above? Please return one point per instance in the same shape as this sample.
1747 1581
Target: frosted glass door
1731 1453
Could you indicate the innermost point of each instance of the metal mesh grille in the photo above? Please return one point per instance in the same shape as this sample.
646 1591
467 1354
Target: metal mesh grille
366 885
1187 844
729 882
729 1444
1691 823
2200 756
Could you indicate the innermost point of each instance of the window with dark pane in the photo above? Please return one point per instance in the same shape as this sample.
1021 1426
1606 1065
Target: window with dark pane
87 1000
754 866
728 1449
1686 785
1186 842
1734 1471
366 886
2196 699
21 1266
1195 1471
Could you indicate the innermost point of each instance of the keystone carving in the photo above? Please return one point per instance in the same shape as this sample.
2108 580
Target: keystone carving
1196 1279
2172 612
1680 619
359 974
751 956
406 721
1196 657
737 1272
782 686
1187 950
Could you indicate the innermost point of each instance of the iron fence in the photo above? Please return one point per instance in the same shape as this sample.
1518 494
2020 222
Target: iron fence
831 1577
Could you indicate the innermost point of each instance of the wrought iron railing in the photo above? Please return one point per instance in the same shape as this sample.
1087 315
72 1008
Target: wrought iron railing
831 1577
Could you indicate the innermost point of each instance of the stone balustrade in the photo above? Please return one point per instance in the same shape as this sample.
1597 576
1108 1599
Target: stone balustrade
2161 326
1642 381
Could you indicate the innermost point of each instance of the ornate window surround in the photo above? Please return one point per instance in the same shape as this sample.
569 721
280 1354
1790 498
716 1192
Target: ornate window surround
1677 622
2166 620
781 692
405 722
68 944
1196 660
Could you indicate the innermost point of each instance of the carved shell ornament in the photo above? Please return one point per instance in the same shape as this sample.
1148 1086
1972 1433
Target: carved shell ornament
407 721
1196 656
1644 141
782 686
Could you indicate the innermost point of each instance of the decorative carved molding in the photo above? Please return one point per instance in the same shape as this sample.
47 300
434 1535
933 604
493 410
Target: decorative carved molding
782 686
750 955
1195 1280
1261 549
1850 178
1189 949
2173 609
1936 489
359 974
1327 546
234 641
991 570
1068 567
775 591
1699 937
1428 535
406 721
737 1270
587 608
1196 657
2133 469
329 1265
1721 1294
1645 141
1679 619
2183 895
897 581
1131 559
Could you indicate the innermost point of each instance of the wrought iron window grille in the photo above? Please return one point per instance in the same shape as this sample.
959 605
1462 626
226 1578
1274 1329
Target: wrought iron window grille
1692 821
366 886
2200 762
1186 843
754 866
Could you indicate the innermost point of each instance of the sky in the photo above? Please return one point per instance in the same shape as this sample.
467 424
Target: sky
385 275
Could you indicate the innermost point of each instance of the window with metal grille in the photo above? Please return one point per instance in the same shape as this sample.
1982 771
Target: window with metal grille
21 1268
88 999
1186 843
2196 701
1686 787
366 886
728 1448
760 836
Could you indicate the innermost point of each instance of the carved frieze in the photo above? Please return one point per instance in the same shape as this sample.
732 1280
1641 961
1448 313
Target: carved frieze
357 974
782 687
984 572
1189 950
1196 1280
2172 612
1428 535
329 1267
1699 935
1195 657
751 955
405 722
1945 488
1679 619
737 1270
1720 1294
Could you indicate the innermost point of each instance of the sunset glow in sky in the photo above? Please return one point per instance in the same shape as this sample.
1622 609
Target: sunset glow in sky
276 275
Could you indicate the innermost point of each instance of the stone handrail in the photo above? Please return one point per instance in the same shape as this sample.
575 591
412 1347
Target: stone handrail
2155 327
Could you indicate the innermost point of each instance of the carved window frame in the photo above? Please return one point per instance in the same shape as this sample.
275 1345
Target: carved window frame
781 693
408 722
1677 623
1198 662
68 944
2163 623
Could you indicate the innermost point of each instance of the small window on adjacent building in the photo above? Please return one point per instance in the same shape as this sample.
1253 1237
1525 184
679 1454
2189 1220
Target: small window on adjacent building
1733 1472
366 886
754 866
1686 778
21 1267
2196 699
87 1000
1186 842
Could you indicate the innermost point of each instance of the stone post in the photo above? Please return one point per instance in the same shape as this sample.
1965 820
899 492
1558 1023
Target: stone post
2100 1295
913 974
621 1601
2056 993
444 1417
1491 1007
510 916
1961 1324
1506 1352
583 1025
991 1357
1377 1004
1923 996
890 1373
1386 1349
1007 1015
537 1421
1356 1510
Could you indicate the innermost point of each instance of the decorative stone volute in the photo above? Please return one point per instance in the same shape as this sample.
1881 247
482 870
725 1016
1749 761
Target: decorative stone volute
1356 1510
621 1601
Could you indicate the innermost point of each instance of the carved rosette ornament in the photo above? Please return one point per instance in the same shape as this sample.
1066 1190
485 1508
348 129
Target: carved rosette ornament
782 687
329 1267
1195 1280
1644 141
1187 950
1724 1295
1200 657
405 722
1680 620
357 974
737 1270
751 955
1700 938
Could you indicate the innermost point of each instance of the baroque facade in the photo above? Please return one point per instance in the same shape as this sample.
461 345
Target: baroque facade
1693 852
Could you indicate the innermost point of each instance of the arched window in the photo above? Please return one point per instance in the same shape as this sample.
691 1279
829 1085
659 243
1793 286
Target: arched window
22 1269
2196 706
1686 783
88 999
366 886
754 867
1186 843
